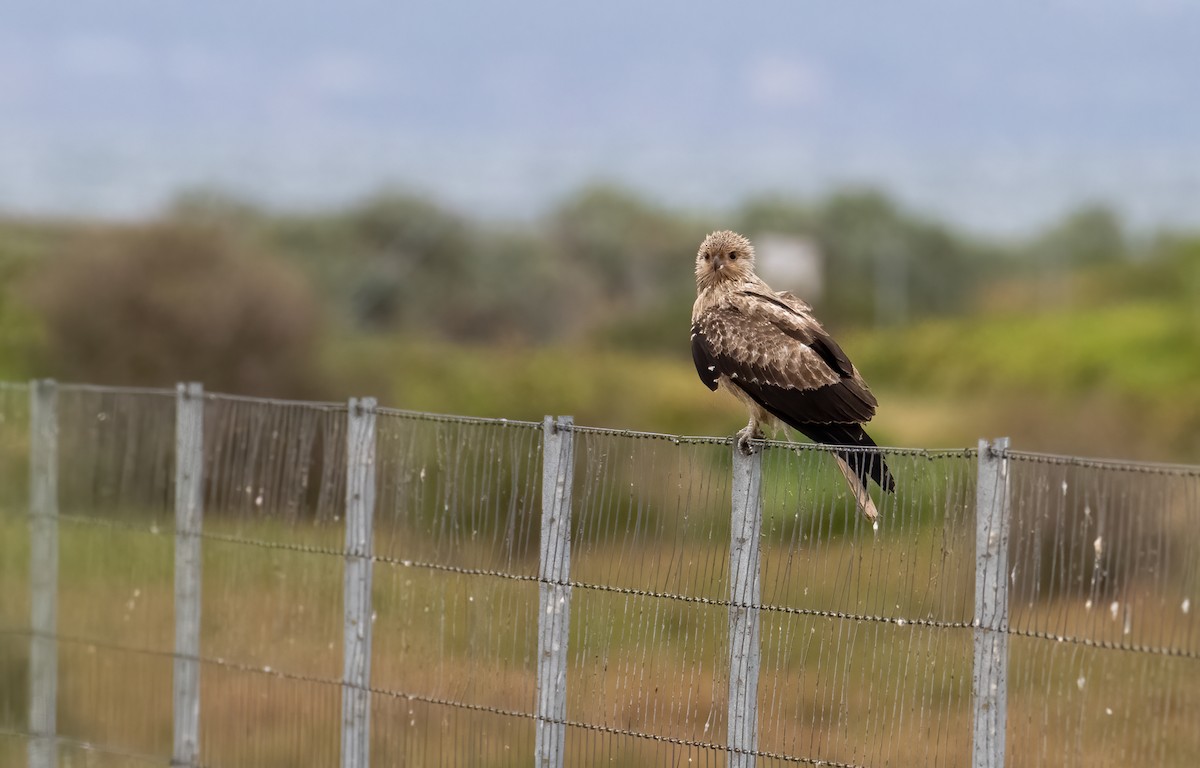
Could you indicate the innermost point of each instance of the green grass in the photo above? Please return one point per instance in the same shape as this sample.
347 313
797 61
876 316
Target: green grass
1115 380
1135 350
598 387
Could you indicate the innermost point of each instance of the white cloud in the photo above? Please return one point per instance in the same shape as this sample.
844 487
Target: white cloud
101 57
782 82
339 73
17 83
195 67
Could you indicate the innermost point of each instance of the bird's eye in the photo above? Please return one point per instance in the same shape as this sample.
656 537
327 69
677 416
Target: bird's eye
707 256
732 255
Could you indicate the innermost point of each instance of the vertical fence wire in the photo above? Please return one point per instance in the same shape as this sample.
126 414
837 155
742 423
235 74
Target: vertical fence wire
649 660
275 549
1104 638
866 646
866 633
116 520
455 662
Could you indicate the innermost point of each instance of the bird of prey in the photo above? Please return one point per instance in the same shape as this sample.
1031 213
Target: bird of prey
767 350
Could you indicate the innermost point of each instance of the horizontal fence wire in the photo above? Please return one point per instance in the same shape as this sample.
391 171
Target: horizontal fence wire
865 630
1183 652
1104 555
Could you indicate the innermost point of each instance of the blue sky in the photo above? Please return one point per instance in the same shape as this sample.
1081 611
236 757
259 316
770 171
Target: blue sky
997 116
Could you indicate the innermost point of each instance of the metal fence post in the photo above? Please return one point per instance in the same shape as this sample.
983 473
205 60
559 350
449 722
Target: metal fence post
990 679
745 594
43 581
189 513
554 592
356 643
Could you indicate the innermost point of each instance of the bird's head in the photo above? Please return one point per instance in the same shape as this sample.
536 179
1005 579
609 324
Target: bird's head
723 256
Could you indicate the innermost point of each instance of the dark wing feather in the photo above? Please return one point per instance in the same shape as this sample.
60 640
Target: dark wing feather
843 402
832 354
782 358
706 364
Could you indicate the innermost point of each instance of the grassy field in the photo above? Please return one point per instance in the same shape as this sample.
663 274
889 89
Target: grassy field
651 519
865 692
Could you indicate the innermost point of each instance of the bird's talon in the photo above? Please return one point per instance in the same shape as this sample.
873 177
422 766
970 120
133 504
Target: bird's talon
743 442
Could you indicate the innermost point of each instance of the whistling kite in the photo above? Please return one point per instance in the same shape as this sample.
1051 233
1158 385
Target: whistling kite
768 351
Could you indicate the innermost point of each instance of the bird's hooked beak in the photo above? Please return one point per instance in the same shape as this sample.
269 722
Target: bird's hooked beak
719 262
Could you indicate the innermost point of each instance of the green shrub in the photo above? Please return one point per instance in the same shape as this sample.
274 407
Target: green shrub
169 302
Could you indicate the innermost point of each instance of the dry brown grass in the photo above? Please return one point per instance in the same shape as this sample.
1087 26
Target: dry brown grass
865 692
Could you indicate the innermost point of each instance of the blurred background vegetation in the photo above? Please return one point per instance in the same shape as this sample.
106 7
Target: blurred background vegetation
1080 338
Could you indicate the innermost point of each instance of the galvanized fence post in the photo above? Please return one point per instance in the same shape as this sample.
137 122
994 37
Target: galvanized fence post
990 679
43 576
745 595
356 643
189 514
554 592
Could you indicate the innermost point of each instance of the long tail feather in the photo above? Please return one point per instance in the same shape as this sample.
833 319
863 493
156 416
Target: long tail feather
859 488
866 465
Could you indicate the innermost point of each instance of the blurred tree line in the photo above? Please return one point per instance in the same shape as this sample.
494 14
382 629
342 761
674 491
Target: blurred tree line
243 298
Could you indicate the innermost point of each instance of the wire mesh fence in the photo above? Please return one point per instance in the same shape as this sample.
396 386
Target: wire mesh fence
561 595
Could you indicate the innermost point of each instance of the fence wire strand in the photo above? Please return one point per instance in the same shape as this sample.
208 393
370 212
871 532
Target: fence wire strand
865 632
1103 555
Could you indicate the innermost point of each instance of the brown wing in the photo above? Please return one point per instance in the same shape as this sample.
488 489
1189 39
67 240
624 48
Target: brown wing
706 364
774 351
782 358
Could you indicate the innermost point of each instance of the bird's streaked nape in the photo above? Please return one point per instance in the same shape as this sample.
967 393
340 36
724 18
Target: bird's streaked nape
767 350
